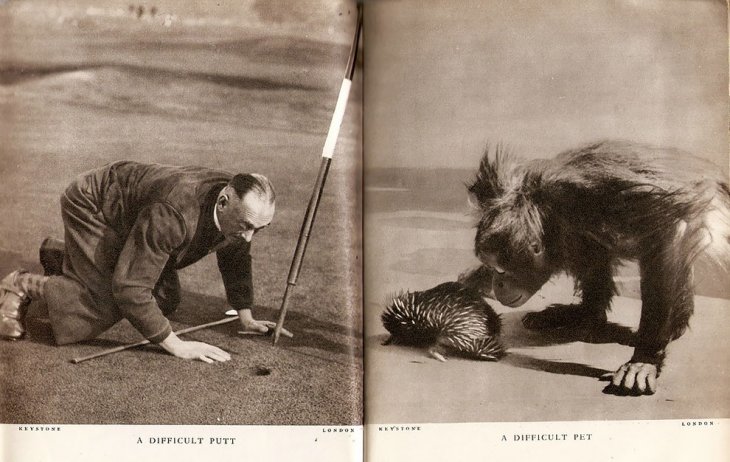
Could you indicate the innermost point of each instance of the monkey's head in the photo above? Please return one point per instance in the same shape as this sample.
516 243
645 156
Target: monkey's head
517 272
509 237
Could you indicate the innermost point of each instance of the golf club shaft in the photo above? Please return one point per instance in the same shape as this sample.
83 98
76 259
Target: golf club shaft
145 342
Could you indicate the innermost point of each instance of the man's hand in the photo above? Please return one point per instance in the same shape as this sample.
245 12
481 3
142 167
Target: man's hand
252 326
193 350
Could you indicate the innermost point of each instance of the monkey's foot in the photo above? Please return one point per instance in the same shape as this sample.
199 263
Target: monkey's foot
633 378
565 316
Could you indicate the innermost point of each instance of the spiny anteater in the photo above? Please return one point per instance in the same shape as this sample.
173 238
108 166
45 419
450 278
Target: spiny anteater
449 317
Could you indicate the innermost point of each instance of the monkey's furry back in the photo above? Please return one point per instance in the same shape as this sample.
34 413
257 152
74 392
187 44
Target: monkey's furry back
609 189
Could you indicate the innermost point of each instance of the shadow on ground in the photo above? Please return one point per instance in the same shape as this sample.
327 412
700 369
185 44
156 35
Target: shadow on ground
262 384
515 335
515 359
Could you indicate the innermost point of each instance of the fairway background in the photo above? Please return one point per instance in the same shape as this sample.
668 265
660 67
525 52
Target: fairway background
244 86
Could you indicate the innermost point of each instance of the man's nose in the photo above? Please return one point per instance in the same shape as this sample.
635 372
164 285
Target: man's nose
247 235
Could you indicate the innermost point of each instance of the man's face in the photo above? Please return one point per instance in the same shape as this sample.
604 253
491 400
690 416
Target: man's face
240 219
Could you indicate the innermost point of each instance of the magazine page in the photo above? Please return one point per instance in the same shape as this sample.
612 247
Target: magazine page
521 155
169 150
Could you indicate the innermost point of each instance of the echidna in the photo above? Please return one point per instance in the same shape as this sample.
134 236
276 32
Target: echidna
449 317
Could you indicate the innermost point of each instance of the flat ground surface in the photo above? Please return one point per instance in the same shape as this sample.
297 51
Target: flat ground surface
419 234
227 87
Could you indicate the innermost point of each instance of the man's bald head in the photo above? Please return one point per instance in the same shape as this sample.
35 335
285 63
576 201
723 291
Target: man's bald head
245 206
244 183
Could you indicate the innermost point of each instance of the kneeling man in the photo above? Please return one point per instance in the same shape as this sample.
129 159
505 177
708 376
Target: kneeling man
128 228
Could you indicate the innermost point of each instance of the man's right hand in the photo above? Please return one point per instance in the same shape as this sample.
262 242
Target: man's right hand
193 350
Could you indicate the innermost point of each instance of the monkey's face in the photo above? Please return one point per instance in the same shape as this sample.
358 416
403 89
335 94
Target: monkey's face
517 273
510 235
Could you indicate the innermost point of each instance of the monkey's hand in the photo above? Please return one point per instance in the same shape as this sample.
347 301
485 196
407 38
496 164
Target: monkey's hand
633 378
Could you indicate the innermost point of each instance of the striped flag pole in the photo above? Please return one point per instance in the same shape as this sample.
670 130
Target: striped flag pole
327 153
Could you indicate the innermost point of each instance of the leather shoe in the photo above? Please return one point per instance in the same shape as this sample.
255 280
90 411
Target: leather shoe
13 304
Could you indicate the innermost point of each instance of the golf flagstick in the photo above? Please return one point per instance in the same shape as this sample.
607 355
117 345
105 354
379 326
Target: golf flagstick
327 153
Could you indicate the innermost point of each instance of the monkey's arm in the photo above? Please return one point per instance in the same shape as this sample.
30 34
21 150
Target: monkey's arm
594 280
667 304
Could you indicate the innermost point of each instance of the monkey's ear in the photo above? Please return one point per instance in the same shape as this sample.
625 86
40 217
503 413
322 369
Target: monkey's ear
488 184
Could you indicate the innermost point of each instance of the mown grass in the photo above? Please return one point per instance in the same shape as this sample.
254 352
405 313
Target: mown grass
178 98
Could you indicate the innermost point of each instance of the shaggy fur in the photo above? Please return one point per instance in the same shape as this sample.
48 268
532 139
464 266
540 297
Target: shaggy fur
450 316
587 209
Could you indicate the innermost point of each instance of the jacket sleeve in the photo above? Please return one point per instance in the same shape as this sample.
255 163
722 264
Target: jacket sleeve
157 232
234 263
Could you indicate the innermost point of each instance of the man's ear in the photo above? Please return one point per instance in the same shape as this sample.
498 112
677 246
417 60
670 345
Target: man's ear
224 198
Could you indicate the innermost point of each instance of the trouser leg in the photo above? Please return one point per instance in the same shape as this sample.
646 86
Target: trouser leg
80 301
166 291
51 256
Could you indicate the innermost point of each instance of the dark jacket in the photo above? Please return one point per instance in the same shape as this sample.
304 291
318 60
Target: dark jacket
163 216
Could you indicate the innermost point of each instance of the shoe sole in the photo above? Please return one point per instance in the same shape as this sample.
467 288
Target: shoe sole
12 311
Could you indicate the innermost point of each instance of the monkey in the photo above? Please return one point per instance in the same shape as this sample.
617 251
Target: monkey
584 212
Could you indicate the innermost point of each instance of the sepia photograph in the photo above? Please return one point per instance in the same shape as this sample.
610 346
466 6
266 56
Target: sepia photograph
158 160
364 230
546 211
